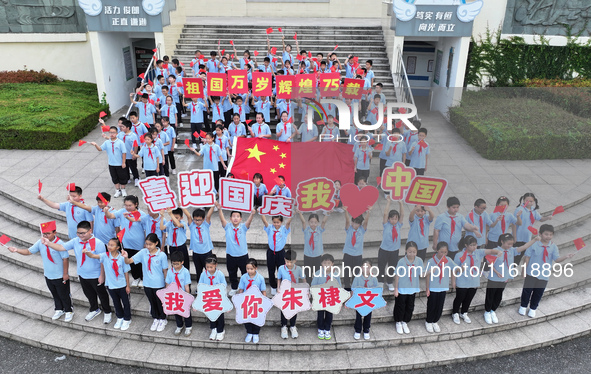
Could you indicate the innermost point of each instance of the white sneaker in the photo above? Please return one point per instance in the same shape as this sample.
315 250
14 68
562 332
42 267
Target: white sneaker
294 332
178 330
273 291
366 335
220 336
117 193
321 334
173 171
161 325
429 327
232 292
255 338
327 335
488 318
390 287
107 318
493 317
188 331
137 182
118 323
135 282
466 318
532 313
405 328
522 310
456 318
57 314
214 333
248 338
90 316
69 316
357 336
154 325
130 181
180 124
143 171
140 284
436 327
399 328
284 333
124 193
125 325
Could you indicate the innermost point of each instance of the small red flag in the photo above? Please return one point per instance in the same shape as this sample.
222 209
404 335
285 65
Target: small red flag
196 134
4 239
579 243
150 83
141 75
248 121
154 50
102 114
48 226
231 42
40 186
71 187
192 63
299 58
136 215
182 64
142 139
333 68
201 57
105 128
280 30
295 36
309 54
559 209
120 235
165 66
256 53
179 84
269 30
274 50
202 133
100 196
533 230
278 180
188 142
81 142
134 143
232 56
500 209
335 48
223 51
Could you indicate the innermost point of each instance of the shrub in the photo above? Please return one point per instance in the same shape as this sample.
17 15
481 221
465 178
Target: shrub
506 124
47 116
27 76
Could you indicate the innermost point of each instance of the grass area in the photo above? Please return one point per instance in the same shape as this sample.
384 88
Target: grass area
47 116
508 124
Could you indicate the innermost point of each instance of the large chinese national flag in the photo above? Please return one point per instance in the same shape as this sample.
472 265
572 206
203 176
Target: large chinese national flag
294 161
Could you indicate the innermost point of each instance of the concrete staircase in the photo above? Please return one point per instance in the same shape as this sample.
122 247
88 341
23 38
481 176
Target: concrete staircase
26 309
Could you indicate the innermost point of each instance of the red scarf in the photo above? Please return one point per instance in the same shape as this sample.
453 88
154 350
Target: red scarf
236 236
422 224
394 233
199 232
311 241
440 265
49 252
92 243
463 258
481 221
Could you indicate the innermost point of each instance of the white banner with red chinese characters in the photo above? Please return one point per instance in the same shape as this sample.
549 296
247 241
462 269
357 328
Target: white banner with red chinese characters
196 188
157 194
212 300
236 194
276 206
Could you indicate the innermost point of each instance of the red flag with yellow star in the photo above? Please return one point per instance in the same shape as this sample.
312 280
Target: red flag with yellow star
271 158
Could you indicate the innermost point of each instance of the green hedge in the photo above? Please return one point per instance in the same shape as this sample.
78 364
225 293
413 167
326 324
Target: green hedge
47 116
500 124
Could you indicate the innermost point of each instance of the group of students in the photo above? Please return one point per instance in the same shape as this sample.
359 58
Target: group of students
104 263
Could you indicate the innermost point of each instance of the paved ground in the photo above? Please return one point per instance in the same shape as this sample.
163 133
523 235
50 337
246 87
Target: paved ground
562 358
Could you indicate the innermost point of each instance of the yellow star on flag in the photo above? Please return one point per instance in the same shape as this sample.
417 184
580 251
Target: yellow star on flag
254 152
275 147
282 166
273 170
283 155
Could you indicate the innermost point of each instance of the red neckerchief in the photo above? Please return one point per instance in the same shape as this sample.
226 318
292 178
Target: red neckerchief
48 251
440 265
92 243
463 258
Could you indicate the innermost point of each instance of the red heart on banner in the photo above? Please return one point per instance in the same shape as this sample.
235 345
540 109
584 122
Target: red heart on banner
357 201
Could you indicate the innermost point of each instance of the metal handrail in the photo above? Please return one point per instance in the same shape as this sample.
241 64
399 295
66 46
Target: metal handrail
148 69
399 76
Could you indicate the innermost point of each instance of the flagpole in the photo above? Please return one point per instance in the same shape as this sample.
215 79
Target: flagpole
234 142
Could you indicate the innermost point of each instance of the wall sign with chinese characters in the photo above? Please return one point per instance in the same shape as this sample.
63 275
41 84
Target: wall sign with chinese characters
126 15
441 19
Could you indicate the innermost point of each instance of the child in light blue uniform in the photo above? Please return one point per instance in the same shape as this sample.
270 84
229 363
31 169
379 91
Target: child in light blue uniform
223 142
284 129
252 278
362 158
259 191
419 228
151 156
406 286
104 228
390 245
353 249
151 224
395 151
236 128
236 247
176 234
324 275
419 152
500 273
180 275
74 214
528 215
479 218
201 244
262 105
212 276
410 137
196 109
170 131
240 107
468 282
539 259
438 285
281 189
146 110
292 273
502 223
313 244
448 226
365 280
212 154
154 265
308 135
276 238
217 108
116 281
